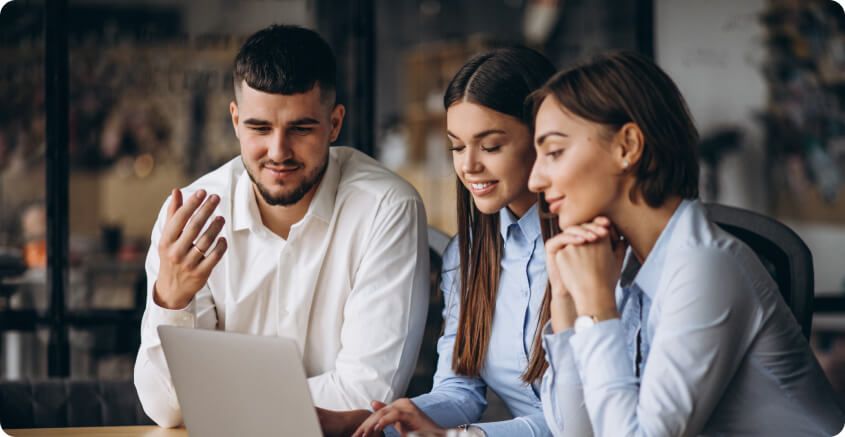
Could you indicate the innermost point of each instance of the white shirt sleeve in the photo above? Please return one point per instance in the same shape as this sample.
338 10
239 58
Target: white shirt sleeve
384 316
152 377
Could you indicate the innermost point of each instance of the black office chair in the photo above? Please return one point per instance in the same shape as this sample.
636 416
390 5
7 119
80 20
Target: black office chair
62 403
781 251
437 242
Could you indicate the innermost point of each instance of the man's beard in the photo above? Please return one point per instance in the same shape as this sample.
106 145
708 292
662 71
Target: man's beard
295 195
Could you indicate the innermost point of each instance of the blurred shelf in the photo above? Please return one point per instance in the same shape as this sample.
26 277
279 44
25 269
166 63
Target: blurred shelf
829 304
828 323
29 320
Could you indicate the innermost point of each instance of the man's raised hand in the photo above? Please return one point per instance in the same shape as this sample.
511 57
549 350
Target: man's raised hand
186 258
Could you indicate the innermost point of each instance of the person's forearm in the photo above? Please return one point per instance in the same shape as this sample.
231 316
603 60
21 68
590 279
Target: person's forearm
152 379
155 392
561 389
563 312
450 407
533 425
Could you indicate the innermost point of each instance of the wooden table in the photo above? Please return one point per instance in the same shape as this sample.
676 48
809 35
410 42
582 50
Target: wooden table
117 431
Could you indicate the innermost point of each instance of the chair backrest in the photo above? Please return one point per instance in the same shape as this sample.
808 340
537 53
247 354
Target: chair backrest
781 251
437 241
61 403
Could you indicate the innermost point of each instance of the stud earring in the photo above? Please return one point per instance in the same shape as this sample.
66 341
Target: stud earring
625 164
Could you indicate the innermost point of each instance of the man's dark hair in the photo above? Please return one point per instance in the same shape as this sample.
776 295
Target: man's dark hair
283 59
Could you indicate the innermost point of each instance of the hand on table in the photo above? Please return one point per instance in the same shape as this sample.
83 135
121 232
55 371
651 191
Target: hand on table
402 414
186 257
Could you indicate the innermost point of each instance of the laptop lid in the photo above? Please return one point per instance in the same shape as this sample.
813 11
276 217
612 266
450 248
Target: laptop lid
232 384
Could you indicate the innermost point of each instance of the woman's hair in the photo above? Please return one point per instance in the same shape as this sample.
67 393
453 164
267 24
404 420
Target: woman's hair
616 88
500 80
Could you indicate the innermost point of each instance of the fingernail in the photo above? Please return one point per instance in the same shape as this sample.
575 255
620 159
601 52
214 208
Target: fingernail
200 194
215 198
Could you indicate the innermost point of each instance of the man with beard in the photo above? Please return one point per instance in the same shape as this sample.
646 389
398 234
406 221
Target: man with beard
292 238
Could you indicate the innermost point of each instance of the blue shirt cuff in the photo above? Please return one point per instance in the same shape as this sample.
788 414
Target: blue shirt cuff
558 351
600 355
449 408
532 425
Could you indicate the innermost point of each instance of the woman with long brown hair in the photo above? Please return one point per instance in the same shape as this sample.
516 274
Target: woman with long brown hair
494 279
662 324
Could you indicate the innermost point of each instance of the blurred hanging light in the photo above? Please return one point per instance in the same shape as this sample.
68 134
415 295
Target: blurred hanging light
144 165
429 8
539 20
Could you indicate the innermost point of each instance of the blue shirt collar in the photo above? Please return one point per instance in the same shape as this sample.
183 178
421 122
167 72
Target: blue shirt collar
647 276
529 223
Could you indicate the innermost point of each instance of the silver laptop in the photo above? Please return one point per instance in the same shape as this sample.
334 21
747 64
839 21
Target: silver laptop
235 384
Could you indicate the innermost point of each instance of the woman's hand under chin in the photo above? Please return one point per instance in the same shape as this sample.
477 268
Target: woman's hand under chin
588 261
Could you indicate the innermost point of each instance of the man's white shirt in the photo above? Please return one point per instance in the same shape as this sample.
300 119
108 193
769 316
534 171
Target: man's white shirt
350 284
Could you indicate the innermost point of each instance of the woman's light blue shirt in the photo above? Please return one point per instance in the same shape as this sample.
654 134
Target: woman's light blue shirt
721 353
455 400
